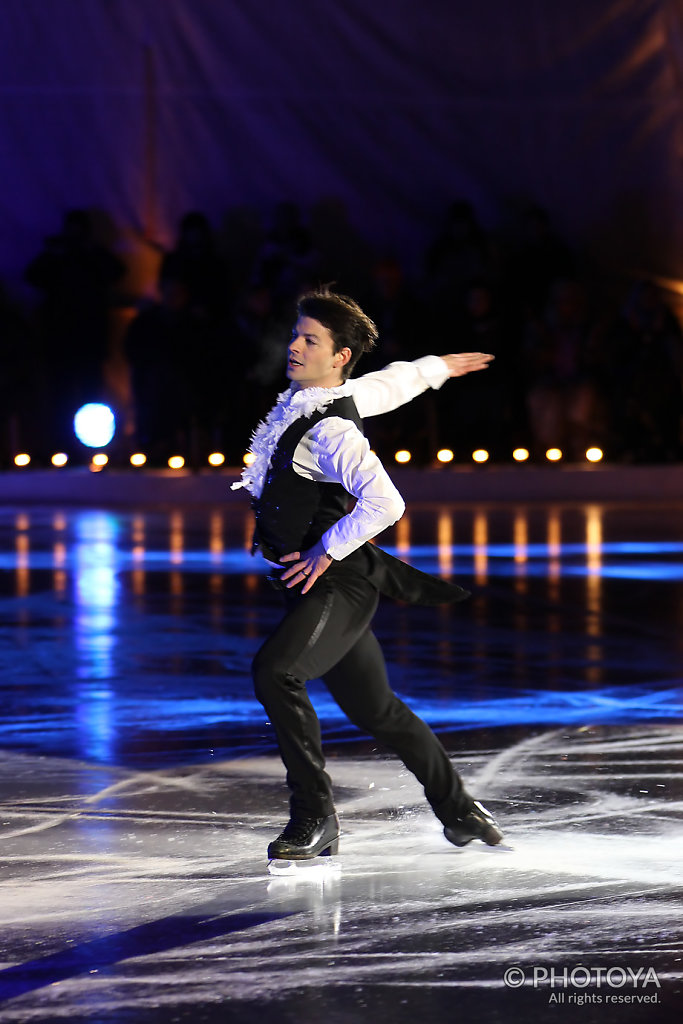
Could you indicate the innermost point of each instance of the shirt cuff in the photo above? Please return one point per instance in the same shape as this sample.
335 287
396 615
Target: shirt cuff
433 370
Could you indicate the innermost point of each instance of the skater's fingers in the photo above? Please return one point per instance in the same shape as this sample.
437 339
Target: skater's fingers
299 573
308 583
310 577
306 578
461 363
293 570
306 567
294 574
291 557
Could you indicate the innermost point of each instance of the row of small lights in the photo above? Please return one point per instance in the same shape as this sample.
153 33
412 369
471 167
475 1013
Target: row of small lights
100 460
445 455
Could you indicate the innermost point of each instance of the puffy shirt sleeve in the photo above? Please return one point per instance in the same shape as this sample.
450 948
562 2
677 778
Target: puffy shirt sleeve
335 450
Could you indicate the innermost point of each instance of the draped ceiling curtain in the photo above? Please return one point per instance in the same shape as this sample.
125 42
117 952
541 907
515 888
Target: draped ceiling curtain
143 109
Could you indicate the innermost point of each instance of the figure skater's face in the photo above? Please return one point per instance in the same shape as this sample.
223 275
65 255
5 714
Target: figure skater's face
312 361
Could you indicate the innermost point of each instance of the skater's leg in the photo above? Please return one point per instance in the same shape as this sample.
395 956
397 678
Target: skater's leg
316 631
359 684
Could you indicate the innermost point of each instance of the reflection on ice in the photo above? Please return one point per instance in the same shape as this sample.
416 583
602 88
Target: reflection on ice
143 896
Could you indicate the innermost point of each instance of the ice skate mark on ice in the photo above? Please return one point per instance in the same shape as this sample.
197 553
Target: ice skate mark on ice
41 826
132 815
134 785
600 807
89 869
512 758
566 777
130 818
149 782
517 756
631 740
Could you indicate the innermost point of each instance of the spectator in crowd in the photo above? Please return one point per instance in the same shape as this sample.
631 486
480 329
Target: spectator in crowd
487 412
646 396
177 375
460 252
195 261
344 255
538 260
21 419
405 330
287 261
400 315
257 338
75 275
562 360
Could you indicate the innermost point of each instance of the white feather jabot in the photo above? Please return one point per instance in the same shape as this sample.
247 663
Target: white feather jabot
290 405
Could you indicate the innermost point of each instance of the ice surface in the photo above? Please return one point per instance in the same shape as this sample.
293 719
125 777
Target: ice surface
140 787
151 894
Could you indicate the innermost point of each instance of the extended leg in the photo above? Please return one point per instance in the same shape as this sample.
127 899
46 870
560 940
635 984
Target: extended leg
360 686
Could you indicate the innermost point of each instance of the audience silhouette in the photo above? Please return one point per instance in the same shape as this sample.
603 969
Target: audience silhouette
210 352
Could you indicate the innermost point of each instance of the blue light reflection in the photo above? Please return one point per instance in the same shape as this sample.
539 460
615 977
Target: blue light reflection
615 705
96 588
540 559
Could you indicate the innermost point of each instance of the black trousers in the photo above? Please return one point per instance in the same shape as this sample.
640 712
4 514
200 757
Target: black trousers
326 633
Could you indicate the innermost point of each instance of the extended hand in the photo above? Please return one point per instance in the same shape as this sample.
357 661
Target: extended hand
307 566
460 363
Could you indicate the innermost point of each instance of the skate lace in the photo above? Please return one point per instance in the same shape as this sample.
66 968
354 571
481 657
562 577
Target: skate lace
299 830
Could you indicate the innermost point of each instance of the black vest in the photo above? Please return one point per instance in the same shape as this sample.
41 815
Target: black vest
292 513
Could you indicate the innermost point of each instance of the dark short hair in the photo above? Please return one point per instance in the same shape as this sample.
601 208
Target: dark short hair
349 326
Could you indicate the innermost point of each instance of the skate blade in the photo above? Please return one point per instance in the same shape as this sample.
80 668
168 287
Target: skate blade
316 868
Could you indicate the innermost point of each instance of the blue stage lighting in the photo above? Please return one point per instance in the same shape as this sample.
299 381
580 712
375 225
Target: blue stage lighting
94 425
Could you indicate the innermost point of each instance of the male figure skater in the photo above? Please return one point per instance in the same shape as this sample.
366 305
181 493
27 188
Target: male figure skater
311 458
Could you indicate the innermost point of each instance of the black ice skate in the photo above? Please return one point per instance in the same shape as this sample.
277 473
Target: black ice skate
477 824
306 838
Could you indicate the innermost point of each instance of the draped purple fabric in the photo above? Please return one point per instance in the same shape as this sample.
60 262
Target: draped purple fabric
391 108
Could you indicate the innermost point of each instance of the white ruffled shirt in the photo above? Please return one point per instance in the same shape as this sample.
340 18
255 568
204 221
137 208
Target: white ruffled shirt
335 451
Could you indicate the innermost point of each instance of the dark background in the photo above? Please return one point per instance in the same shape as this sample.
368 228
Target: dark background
370 120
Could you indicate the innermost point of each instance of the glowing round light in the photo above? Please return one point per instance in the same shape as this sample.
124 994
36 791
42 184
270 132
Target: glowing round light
176 462
553 454
138 459
480 455
59 459
445 455
594 454
216 459
22 459
100 459
94 425
249 459
403 456
520 454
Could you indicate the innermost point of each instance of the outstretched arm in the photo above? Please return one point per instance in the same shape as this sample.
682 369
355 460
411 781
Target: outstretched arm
387 389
